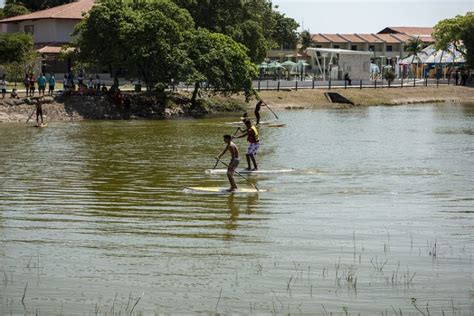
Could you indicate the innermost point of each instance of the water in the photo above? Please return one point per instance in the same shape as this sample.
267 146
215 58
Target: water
93 218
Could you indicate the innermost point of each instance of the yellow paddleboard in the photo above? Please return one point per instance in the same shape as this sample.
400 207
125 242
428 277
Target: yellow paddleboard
220 190
41 125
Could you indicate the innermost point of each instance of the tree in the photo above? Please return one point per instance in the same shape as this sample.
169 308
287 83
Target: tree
253 23
414 46
145 38
306 39
15 71
2 15
14 47
458 32
220 62
35 5
12 9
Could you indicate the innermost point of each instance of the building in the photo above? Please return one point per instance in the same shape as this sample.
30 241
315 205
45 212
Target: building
387 46
51 29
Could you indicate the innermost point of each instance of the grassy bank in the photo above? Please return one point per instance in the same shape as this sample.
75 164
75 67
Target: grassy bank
309 98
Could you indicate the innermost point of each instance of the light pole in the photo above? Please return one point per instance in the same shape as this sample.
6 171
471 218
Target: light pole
324 65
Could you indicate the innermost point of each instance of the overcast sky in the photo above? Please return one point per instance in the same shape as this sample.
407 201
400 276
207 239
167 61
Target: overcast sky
369 16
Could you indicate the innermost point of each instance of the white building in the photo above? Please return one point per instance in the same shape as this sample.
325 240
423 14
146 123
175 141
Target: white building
51 29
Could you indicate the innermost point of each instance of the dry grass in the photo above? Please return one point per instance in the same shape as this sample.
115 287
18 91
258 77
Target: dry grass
308 98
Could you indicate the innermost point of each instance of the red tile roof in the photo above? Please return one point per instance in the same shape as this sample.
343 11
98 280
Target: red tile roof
388 38
409 30
319 38
369 38
70 11
335 38
353 38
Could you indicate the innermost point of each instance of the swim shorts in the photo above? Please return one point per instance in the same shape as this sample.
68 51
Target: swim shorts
253 148
233 164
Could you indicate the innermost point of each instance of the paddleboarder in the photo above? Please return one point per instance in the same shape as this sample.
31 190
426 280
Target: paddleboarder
257 110
234 161
254 144
39 112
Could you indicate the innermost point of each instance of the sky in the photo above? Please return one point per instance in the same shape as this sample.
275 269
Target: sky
369 16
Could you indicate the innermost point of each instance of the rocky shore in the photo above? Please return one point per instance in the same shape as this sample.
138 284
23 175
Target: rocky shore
143 106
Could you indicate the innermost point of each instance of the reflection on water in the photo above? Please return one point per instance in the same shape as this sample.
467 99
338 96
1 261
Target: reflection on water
93 217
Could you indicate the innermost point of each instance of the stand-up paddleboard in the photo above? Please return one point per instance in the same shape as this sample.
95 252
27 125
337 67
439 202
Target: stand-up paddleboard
242 123
42 125
245 171
220 190
276 125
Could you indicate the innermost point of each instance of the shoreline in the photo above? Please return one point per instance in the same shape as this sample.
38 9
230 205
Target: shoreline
75 108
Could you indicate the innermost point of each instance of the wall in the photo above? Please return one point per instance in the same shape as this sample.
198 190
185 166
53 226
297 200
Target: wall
50 31
356 65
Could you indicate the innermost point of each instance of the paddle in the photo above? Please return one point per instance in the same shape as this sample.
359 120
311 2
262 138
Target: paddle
248 180
271 110
260 99
30 116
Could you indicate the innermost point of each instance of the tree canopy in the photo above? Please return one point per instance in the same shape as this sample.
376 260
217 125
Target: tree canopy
13 9
459 32
35 5
220 62
14 47
253 23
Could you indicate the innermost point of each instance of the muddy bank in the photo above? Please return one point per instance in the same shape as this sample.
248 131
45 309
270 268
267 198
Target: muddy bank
142 106
309 98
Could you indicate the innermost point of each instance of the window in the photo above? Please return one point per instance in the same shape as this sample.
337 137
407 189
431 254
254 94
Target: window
29 29
319 46
286 46
389 48
372 48
335 46
353 47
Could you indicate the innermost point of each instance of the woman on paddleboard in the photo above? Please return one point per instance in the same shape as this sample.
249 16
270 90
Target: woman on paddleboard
234 161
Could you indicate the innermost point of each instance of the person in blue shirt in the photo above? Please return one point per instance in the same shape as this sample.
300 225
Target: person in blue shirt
52 83
41 84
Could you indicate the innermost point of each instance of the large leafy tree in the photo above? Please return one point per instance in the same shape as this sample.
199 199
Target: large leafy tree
145 38
13 9
459 32
253 23
219 61
35 5
14 47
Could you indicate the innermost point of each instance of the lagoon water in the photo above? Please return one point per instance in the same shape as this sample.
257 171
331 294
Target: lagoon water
379 217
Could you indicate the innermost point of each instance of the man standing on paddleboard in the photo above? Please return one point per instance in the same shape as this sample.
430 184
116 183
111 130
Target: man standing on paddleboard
257 110
39 112
234 161
254 144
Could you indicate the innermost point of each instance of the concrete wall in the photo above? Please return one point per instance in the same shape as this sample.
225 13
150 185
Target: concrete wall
358 66
45 31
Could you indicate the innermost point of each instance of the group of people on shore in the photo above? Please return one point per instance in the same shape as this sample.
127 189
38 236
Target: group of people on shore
253 138
30 84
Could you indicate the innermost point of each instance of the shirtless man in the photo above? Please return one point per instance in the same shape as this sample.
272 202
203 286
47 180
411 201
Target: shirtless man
234 161
257 110
39 112
254 144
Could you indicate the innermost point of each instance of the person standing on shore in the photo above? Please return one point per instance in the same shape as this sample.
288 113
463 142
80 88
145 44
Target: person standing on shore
32 81
51 83
234 161
26 82
41 84
3 86
254 144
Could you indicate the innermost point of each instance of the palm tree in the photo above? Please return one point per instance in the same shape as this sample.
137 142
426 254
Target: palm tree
414 46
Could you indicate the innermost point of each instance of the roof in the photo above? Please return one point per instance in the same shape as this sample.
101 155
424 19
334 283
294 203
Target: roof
70 11
312 51
370 38
353 38
388 38
319 38
409 30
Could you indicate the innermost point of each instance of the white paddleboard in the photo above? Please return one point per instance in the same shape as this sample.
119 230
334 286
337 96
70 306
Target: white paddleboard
245 171
242 123
219 190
